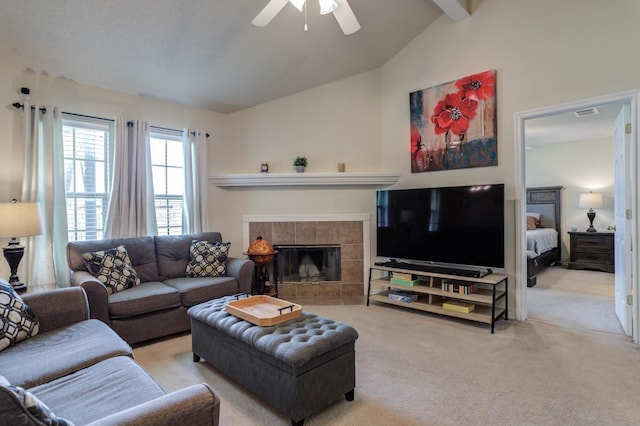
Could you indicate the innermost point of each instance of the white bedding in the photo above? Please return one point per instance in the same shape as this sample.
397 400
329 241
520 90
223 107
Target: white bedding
541 240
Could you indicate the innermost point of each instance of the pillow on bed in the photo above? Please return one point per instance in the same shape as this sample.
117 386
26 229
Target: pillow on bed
532 223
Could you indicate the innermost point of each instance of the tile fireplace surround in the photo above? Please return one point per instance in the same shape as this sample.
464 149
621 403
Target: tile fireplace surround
349 231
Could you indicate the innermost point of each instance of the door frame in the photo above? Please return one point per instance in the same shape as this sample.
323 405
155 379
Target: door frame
632 98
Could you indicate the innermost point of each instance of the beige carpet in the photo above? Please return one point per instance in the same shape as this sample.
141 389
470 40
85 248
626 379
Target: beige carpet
575 298
421 369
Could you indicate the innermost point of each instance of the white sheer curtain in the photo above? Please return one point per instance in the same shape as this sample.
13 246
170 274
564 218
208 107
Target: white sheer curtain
131 211
43 182
194 213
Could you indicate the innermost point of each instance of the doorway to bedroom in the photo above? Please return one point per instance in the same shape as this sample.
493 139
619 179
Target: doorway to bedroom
573 147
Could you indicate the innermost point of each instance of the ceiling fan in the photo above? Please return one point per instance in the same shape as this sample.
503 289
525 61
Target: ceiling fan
340 9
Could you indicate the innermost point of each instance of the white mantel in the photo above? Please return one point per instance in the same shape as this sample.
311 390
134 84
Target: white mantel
248 180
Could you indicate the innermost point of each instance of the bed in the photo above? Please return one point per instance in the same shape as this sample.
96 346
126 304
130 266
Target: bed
543 242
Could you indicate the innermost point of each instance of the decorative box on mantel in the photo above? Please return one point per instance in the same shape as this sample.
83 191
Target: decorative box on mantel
249 180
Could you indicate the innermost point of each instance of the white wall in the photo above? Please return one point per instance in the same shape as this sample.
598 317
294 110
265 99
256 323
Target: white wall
579 166
339 121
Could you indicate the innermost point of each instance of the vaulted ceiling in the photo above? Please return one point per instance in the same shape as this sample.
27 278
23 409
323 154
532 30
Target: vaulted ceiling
204 53
207 54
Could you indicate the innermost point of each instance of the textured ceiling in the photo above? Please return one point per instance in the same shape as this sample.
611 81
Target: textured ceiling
203 53
207 54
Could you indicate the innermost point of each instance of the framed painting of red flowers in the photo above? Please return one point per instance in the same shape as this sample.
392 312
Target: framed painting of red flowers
453 125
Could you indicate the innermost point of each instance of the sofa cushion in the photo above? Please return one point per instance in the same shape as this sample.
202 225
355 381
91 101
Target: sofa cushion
108 387
147 297
17 320
46 356
112 268
142 253
207 259
20 406
172 252
202 289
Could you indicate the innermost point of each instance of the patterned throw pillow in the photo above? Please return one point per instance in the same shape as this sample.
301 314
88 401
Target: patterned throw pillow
112 268
207 259
33 407
17 320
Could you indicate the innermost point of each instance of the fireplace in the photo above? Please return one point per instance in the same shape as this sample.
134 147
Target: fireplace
319 256
307 263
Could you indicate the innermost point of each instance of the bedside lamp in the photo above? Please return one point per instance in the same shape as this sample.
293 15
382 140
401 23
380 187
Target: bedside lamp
590 200
18 220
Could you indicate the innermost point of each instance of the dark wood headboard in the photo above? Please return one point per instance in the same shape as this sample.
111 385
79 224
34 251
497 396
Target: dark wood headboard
547 201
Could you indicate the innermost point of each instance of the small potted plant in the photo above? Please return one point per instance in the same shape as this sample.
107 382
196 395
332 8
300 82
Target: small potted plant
300 163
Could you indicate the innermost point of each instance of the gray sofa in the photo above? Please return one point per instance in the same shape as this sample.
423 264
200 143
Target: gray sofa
158 306
85 373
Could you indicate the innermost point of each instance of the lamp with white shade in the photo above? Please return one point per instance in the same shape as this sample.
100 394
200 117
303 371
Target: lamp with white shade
18 220
590 200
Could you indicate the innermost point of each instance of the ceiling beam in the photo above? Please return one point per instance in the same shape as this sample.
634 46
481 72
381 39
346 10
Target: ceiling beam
457 10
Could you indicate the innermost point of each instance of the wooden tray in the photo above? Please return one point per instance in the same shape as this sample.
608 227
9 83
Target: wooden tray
264 310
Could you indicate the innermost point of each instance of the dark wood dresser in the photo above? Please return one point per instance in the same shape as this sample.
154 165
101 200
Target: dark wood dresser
592 250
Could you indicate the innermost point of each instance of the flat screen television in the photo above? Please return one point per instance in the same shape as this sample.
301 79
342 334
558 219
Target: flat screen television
459 225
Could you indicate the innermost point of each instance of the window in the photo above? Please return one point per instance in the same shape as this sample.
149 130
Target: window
86 175
167 161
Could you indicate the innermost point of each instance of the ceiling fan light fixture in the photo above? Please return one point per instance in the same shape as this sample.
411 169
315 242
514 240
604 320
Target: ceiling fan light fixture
298 4
327 6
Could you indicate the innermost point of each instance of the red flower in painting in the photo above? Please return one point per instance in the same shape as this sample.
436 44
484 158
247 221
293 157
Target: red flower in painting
478 86
454 113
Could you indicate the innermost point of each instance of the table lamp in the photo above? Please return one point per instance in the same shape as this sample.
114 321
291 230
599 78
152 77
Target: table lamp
590 200
18 220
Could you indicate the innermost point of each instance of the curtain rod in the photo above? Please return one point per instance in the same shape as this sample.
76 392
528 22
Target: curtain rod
43 110
18 105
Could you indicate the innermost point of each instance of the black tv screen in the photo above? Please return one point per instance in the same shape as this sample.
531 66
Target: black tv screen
462 225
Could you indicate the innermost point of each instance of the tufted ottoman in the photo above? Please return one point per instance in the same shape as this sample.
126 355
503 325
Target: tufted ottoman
298 366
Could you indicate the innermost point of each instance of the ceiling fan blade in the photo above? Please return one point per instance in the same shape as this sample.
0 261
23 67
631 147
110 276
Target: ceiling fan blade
345 17
269 12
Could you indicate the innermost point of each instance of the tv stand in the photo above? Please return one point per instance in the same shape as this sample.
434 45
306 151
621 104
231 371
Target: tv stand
474 273
490 297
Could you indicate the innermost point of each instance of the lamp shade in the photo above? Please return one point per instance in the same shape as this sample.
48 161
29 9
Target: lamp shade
20 220
590 200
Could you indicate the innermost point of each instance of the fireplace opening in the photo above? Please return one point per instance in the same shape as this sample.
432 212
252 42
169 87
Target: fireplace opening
308 263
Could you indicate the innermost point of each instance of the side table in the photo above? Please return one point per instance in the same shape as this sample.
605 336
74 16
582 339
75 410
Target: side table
261 280
592 250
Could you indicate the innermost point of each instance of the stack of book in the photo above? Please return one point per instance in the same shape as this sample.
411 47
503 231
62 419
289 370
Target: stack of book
459 306
402 278
403 296
459 288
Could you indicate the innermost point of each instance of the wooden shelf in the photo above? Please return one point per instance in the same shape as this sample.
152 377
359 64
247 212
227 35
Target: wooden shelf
491 289
482 295
250 180
479 314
